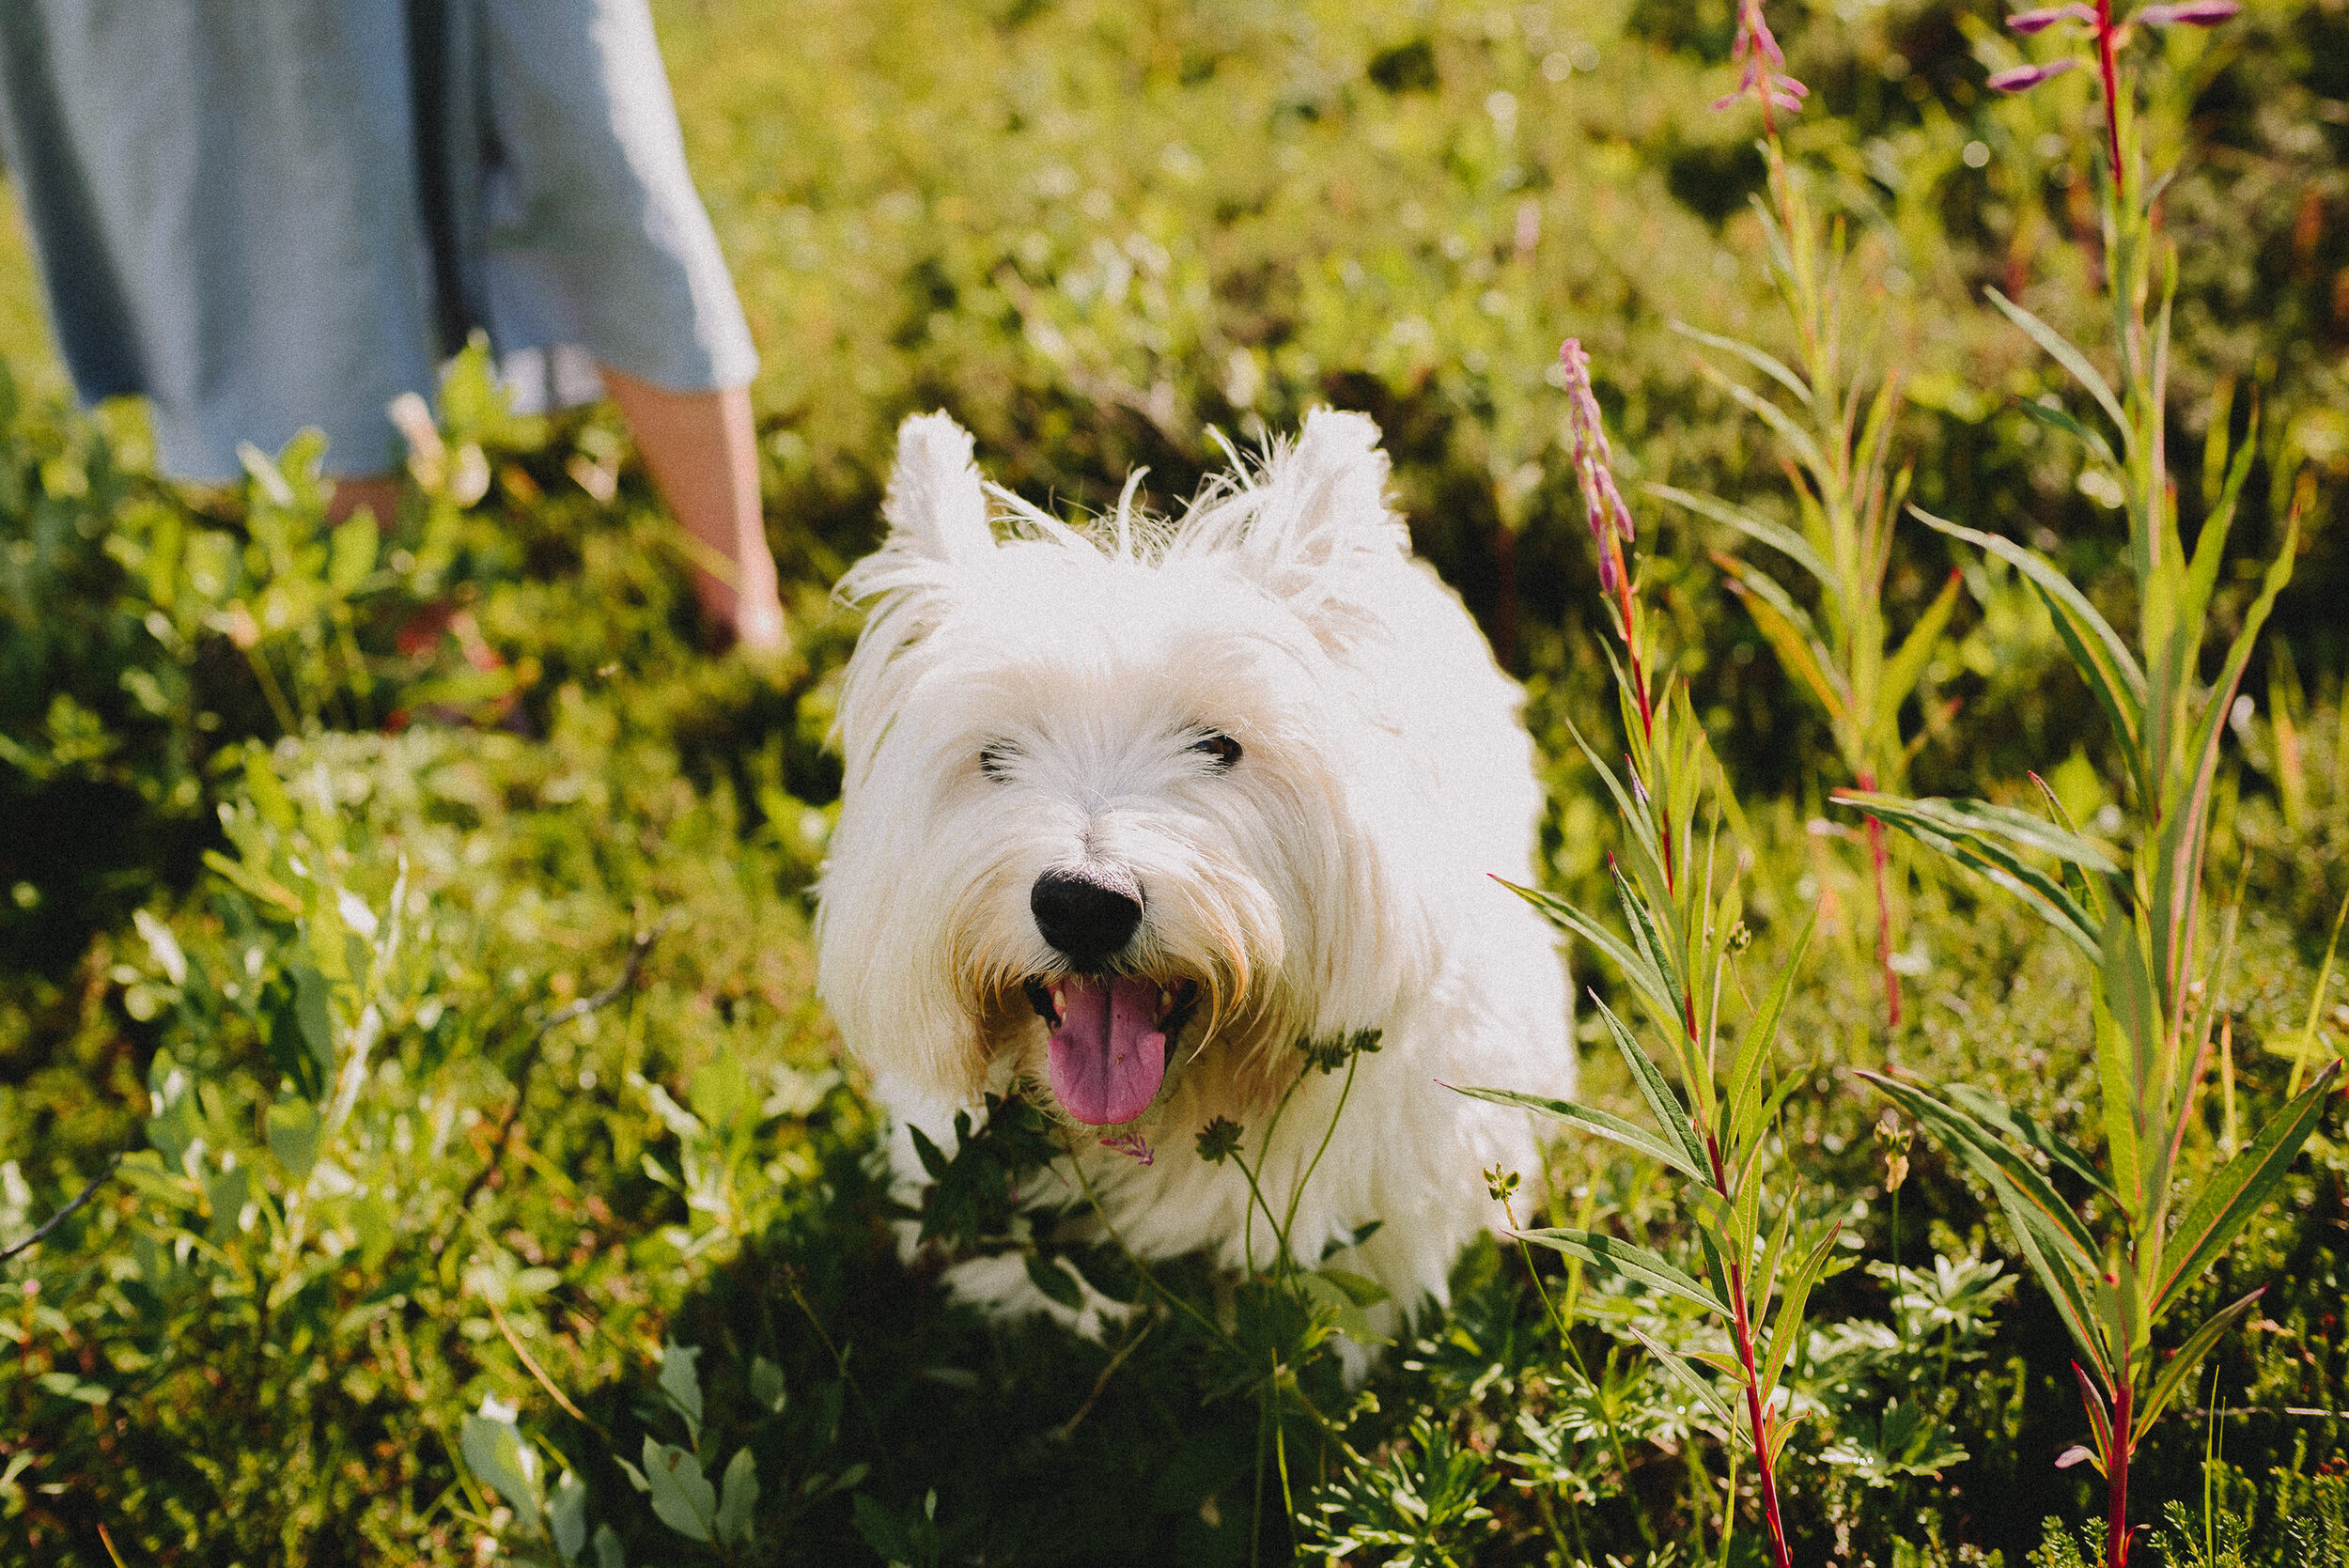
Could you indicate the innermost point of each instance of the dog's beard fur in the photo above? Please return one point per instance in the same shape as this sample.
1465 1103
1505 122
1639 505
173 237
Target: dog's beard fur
1287 739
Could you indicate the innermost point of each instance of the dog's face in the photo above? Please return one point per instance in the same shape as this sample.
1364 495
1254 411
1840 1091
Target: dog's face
1103 810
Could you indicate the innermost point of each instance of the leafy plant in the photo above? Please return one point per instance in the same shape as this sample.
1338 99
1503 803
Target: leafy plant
1417 1503
1715 1132
2157 967
1837 442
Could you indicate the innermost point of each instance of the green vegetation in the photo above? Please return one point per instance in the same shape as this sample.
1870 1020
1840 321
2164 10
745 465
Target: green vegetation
407 926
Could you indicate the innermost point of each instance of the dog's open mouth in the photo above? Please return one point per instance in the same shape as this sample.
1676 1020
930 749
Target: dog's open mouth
1111 1036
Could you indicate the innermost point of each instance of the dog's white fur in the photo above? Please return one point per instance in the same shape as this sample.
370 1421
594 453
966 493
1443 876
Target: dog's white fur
1334 879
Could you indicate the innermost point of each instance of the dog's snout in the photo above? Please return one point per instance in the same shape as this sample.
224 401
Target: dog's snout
1086 915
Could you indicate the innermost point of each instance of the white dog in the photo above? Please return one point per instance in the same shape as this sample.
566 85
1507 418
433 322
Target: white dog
1131 812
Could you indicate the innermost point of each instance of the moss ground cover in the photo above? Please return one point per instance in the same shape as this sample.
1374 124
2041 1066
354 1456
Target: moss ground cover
420 918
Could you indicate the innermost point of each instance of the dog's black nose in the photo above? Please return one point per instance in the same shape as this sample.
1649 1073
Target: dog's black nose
1087 915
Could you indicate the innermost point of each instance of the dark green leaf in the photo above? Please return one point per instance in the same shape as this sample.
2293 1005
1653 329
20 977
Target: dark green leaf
2009 1172
1623 1259
933 1158
1775 535
2180 1367
1662 1102
2229 1198
1637 1139
1053 1281
2065 355
1989 839
2103 660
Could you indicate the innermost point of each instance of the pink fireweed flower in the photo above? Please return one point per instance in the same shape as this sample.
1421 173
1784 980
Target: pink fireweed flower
2201 13
2023 78
1764 75
2048 16
1594 463
1132 1144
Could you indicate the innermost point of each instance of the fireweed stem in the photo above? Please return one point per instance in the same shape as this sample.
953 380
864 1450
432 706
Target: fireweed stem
1609 526
2108 70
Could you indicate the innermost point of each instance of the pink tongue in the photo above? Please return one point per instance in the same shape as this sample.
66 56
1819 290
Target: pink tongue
1109 1057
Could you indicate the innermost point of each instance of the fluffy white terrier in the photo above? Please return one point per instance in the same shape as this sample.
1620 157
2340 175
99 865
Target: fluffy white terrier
1130 812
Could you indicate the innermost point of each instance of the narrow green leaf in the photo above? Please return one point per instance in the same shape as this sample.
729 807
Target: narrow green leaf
2099 1414
2065 1288
1907 664
1739 1106
2103 660
1634 818
2057 418
2210 544
1773 368
2021 1128
2115 1070
1640 916
1786 1329
1798 440
1979 820
1625 1261
1662 1102
1983 838
2181 1366
1773 1258
2229 1198
2076 880
1685 1376
2126 1057
2065 355
1637 1139
1805 658
1762 530
2177 881
2009 1173
1634 969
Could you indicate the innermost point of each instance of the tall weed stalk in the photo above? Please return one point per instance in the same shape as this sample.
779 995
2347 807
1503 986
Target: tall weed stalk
2116 1265
1836 435
1682 909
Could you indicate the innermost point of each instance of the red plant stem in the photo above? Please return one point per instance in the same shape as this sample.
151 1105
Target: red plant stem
2112 85
1631 639
1881 862
1741 1319
1759 1421
2117 1514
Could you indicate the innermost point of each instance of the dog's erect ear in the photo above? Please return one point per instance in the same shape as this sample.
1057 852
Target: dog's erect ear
1320 504
1338 475
936 505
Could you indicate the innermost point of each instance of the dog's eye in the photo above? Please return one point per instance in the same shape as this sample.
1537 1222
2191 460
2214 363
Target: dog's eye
996 758
1219 748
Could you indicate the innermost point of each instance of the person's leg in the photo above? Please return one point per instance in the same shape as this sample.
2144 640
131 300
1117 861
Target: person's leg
703 452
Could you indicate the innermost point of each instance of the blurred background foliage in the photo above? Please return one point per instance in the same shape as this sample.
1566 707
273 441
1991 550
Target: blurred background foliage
309 837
